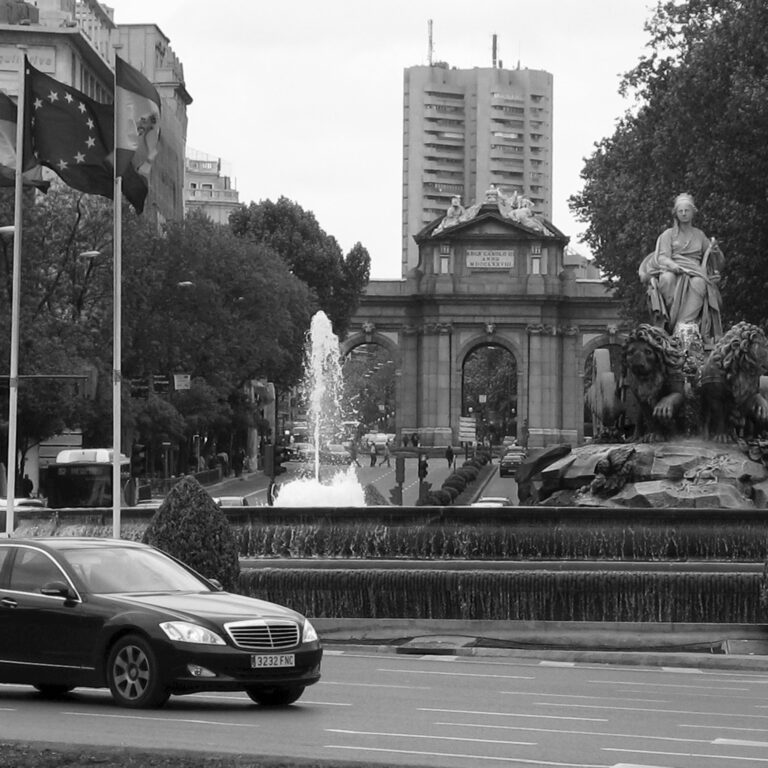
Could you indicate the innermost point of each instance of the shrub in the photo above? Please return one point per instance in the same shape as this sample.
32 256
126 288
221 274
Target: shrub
190 526
444 496
456 481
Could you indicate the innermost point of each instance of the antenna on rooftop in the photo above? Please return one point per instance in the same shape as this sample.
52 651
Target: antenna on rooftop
430 49
493 54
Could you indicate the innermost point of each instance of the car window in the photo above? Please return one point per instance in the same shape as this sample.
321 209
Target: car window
32 569
5 557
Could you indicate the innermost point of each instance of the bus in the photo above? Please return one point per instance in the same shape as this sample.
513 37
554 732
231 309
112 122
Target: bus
83 478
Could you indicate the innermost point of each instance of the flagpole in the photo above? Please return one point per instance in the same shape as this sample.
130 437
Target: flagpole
13 379
117 354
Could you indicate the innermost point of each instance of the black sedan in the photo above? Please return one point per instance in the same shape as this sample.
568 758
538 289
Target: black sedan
112 613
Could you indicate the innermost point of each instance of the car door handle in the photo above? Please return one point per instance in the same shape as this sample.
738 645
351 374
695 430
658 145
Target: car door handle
8 603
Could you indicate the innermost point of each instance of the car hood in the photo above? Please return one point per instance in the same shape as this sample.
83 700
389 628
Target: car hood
217 607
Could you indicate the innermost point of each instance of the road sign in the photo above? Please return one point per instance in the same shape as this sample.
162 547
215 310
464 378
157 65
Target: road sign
467 429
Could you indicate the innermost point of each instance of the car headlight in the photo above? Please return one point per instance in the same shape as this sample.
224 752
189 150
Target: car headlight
186 632
309 635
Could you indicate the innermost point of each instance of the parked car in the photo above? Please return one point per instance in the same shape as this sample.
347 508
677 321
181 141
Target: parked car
115 613
491 501
231 501
511 460
22 502
301 452
335 453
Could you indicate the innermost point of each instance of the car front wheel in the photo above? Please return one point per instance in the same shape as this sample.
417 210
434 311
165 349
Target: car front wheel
133 674
275 697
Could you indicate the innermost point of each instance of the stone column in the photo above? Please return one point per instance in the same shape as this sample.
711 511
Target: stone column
410 382
572 387
542 396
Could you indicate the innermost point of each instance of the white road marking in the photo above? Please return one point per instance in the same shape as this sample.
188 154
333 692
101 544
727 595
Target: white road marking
582 696
507 760
720 727
557 663
655 711
665 685
428 736
378 685
512 714
575 733
687 754
741 743
683 670
163 720
457 674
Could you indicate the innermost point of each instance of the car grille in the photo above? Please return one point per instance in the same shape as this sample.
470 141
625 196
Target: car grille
264 635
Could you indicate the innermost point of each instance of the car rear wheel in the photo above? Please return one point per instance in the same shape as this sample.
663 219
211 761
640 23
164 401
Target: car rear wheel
275 697
133 674
53 691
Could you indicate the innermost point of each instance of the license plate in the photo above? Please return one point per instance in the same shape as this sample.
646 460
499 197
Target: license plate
265 662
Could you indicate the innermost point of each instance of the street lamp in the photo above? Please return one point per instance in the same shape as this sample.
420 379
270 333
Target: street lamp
8 232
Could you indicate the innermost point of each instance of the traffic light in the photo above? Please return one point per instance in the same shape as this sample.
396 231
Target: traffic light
399 469
269 460
396 496
423 467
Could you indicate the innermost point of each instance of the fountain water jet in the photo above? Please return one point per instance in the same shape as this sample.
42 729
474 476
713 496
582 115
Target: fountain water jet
323 385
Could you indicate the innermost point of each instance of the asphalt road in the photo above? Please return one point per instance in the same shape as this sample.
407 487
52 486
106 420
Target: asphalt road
442 711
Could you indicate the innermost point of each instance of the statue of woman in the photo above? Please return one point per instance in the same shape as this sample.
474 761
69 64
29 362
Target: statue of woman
682 275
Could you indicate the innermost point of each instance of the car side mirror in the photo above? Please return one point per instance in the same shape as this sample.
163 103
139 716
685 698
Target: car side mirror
217 584
57 589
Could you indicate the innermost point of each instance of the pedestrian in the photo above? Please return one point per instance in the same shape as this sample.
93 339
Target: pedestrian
353 453
415 440
449 456
372 451
386 455
524 434
27 486
405 441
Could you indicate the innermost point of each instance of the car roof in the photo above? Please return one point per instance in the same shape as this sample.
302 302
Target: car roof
76 542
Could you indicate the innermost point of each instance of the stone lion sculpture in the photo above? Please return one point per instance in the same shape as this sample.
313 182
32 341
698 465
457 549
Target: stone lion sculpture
732 404
652 373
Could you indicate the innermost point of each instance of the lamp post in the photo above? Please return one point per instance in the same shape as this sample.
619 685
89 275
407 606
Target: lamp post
7 233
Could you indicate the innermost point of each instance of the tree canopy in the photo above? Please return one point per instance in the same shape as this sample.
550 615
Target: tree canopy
312 255
700 125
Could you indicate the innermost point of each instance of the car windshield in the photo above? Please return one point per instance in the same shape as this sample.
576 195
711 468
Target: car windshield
104 570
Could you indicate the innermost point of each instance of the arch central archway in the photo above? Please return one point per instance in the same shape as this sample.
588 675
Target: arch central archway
489 392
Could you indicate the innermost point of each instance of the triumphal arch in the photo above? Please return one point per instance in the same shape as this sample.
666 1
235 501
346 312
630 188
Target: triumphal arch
491 275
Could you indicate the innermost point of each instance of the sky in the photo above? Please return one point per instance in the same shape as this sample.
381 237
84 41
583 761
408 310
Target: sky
303 99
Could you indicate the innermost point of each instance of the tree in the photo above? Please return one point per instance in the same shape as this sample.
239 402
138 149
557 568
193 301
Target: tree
701 126
311 255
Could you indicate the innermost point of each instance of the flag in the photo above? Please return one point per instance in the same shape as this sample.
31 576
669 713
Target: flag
32 177
67 132
137 115
73 135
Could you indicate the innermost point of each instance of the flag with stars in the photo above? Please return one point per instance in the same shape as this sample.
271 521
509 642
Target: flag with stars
68 132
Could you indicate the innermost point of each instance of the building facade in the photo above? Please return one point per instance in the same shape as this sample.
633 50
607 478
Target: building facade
494 276
75 42
207 190
466 130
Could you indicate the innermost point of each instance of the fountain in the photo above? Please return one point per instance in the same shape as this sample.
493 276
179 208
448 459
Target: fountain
323 387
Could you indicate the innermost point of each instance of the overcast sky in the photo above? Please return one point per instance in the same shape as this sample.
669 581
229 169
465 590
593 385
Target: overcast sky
304 98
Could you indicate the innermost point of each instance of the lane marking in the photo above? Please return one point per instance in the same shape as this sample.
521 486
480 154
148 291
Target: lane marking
666 685
574 732
583 696
687 754
428 736
655 711
378 685
557 663
457 674
163 720
719 727
245 700
507 760
512 714
741 743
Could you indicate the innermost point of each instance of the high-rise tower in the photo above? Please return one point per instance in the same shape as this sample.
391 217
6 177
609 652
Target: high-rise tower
467 129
